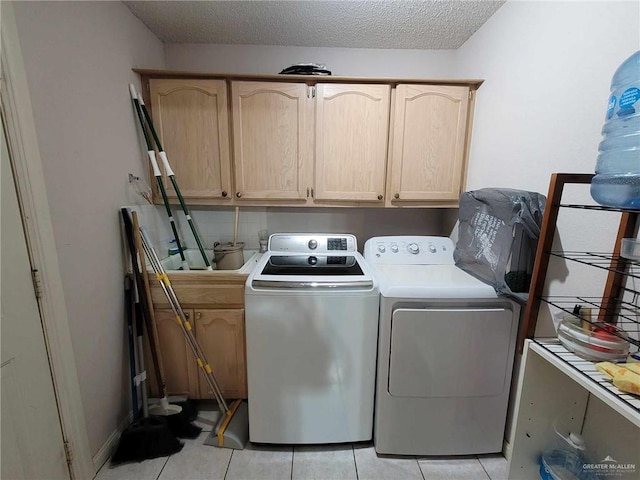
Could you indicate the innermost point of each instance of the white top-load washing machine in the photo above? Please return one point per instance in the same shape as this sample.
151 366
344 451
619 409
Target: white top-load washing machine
445 352
311 315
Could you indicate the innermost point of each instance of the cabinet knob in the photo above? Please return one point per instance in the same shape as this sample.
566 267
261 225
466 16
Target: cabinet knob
186 315
238 194
224 193
379 197
396 196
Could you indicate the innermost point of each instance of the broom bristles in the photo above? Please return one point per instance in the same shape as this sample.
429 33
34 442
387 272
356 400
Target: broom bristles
145 439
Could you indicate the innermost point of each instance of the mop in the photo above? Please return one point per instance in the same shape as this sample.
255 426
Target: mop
156 172
232 430
179 418
141 107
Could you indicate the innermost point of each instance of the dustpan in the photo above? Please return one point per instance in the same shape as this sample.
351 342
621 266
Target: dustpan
232 429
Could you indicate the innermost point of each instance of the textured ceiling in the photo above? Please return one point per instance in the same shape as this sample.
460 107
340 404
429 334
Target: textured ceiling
428 24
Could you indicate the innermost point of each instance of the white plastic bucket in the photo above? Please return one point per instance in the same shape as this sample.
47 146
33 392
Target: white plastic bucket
229 256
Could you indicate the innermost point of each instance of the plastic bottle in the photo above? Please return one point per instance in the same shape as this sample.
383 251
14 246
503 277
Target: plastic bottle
175 260
566 460
617 180
173 248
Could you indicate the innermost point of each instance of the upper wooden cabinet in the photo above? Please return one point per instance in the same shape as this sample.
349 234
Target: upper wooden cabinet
427 159
271 142
295 142
351 132
314 141
191 118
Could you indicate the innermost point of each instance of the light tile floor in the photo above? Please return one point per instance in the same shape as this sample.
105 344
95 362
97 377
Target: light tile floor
357 461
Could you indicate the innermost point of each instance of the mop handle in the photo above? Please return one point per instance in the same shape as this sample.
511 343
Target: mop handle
195 348
128 305
156 172
133 252
174 182
181 318
142 376
185 325
150 319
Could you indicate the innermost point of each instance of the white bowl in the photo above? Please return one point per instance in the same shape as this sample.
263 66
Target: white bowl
589 352
591 337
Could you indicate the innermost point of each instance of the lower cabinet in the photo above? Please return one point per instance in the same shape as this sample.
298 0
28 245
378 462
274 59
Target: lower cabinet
180 369
214 305
220 334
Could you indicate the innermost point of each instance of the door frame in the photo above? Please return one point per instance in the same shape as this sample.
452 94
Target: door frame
30 185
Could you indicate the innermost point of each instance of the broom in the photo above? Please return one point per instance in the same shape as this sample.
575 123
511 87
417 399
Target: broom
148 437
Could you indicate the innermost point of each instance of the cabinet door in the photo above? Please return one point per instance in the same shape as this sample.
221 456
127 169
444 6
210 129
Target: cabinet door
429 136
180 368
220 334
352 124
191 118
271 143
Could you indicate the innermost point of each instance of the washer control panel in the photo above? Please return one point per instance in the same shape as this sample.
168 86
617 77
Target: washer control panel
312 243
409 250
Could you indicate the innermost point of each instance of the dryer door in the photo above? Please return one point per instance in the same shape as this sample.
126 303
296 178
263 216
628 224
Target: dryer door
450 352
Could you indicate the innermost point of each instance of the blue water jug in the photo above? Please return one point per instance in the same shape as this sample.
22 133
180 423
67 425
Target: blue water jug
566 460
617 179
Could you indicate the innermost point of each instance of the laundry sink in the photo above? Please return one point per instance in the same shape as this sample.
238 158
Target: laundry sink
196 263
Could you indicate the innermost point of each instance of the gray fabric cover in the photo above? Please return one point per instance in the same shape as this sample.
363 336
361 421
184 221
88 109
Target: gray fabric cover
488 220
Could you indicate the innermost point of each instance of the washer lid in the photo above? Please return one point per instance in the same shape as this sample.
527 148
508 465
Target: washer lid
312 265
296 271
430 281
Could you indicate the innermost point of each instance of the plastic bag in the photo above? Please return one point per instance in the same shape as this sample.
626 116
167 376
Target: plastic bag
498 235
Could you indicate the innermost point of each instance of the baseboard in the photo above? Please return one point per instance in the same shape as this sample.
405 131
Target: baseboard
107 449
506 449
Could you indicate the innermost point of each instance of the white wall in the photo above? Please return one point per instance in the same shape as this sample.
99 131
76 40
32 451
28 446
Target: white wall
78 57
547 68
216 224
268 60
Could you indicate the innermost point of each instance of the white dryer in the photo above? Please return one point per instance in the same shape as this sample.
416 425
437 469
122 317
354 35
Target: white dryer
445 351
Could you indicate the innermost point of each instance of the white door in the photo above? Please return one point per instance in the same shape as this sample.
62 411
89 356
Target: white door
32 442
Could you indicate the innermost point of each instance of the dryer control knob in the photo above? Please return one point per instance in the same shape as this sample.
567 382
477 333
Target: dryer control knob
413 248
432 248
394 248
381 248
